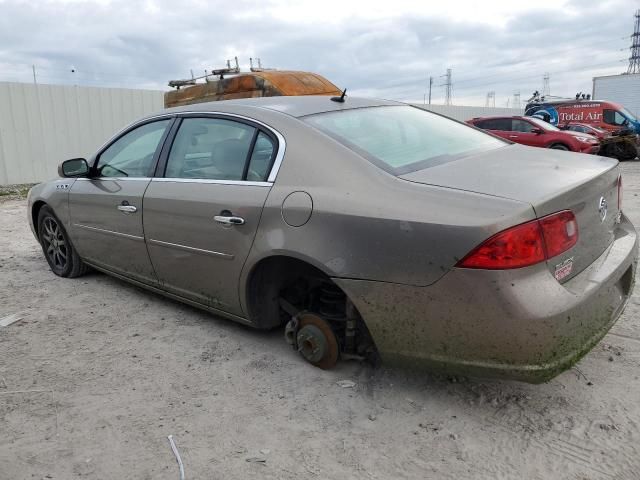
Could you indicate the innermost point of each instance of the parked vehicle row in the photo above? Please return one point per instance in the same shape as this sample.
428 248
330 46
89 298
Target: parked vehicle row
366 228
622 137
576 137
537 133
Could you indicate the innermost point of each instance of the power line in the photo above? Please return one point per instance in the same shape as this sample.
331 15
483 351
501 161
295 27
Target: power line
531 75
528 58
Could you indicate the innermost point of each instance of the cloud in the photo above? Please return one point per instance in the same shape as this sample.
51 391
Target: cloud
385 49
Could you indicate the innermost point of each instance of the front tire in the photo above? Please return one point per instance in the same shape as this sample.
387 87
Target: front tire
56 246
559 146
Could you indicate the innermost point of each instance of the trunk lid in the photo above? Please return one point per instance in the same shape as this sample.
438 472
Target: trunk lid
550 181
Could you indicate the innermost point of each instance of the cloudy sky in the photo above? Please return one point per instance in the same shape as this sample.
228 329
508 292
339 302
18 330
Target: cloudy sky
376 48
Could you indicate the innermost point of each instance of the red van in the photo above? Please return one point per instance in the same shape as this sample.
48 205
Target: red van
537 133
606 115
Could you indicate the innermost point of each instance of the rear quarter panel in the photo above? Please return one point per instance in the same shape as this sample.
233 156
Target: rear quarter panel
368 224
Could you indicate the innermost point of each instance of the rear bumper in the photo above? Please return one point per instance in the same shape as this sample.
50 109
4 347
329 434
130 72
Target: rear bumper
520 324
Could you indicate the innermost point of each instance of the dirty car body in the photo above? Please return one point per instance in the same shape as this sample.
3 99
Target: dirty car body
441 245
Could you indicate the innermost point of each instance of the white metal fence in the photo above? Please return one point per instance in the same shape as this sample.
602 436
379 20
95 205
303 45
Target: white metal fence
40 125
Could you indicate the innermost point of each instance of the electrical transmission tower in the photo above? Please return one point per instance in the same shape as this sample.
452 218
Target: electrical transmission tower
546 89
491 99
516 100
448 85
634 59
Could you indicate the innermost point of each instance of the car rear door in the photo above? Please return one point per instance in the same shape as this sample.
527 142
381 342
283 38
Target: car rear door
106 209
498 126
201 216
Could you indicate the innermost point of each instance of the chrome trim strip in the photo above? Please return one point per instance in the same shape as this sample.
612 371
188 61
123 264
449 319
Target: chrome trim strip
282 145
201 251
220 182
110 232
119 179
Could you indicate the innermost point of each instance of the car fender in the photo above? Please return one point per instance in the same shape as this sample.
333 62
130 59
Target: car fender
55 194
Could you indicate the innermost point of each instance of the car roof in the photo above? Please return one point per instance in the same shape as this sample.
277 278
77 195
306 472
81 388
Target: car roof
296 106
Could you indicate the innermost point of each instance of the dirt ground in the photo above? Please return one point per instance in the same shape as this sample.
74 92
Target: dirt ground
98 373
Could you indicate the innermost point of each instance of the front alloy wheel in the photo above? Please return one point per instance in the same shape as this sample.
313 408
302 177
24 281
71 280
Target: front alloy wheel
54 245
57 249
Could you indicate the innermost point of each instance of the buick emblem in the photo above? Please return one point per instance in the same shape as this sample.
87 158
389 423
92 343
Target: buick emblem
602 208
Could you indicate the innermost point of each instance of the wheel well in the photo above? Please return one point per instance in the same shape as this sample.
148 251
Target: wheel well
560 144
270 278
302 287
35 210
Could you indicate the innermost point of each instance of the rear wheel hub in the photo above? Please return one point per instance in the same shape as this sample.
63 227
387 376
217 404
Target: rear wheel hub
316 341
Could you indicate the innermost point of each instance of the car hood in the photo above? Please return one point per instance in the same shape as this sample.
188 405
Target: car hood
517 172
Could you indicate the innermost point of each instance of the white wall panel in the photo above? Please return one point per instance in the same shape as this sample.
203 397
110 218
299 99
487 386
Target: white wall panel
41 125
622 89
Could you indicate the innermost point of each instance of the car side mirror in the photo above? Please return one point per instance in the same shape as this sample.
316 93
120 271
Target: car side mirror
537 131
75 167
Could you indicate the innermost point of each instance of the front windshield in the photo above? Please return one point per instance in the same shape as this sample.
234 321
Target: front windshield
403 139
544 125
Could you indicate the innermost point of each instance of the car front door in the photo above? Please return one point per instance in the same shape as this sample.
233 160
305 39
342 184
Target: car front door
522 132
200 219
106 209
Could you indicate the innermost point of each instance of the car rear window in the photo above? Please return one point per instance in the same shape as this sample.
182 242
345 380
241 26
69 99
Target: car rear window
402 139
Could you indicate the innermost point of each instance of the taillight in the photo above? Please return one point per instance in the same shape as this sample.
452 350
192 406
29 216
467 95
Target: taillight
525 244
560 232
619 193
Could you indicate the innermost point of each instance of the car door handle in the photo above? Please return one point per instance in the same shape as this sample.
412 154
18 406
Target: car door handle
127 208
513 136
229 220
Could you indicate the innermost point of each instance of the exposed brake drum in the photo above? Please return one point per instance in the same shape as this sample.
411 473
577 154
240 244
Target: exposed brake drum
314 339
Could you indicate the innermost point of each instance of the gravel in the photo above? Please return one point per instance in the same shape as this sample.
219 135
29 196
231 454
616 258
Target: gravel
97 373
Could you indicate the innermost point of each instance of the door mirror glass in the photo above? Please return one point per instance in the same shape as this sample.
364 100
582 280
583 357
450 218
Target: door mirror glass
75 167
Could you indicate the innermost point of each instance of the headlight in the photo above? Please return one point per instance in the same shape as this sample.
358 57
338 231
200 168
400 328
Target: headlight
584 139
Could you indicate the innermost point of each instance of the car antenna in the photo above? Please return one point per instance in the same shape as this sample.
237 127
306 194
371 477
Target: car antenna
339 99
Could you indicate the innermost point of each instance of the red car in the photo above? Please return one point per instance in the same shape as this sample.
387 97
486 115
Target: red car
599 133
537 133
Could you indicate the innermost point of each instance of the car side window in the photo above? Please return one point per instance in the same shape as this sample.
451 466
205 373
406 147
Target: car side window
522 126
503 124
132 154
613 117
261 158
210 149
